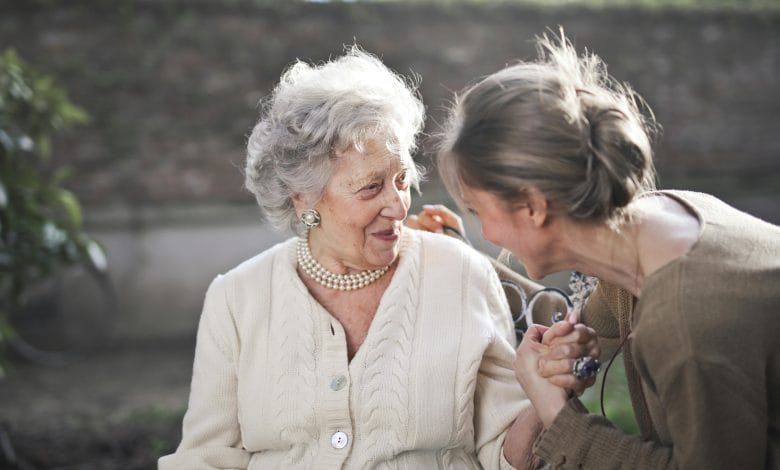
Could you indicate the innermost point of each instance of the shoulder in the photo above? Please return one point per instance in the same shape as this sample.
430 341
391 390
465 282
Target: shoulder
465 280
448 250
695 199
233 298
263 263
449 265
445 257
712 210
251 281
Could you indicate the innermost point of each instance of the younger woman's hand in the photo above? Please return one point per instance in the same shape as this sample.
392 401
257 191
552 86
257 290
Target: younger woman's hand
565 342
434 218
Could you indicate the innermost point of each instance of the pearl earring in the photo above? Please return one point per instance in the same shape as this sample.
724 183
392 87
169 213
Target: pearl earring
310 218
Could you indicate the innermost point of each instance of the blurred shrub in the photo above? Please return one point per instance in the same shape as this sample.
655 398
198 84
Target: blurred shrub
40 221
617 402
735 5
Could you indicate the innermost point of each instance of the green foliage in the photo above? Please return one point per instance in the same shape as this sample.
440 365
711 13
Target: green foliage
743 5
40 221
617 402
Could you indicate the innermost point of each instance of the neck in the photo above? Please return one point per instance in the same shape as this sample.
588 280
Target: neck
612 255
660 230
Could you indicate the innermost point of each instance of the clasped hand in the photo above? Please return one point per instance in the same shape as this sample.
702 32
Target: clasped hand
545 360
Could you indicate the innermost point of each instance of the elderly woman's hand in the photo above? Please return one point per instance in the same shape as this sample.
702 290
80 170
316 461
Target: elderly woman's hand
565 342
434 218
548 399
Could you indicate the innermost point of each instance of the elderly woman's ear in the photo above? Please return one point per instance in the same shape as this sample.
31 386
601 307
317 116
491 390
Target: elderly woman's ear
301 202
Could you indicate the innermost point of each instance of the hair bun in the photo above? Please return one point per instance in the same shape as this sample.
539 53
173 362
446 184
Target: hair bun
617 155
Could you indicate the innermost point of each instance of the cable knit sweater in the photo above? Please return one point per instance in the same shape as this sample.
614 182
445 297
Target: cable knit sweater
432 385
705 344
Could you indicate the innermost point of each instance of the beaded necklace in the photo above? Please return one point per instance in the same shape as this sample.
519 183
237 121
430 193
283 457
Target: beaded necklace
331 280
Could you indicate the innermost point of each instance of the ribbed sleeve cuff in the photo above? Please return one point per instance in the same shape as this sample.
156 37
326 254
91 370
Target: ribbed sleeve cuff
561 442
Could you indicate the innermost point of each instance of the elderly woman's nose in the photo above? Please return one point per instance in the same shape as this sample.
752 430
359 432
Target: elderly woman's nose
396 205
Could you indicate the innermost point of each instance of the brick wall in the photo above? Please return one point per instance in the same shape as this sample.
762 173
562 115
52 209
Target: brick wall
173 86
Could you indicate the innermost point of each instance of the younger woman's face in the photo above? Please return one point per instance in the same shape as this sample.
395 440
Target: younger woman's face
510 226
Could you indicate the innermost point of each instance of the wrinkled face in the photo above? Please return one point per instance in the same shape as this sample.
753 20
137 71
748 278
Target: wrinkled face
362 210
510 227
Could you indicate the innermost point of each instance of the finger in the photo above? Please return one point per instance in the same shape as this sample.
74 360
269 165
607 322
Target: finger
429 223
567 351
526 359
573 316
578 333
570 382
533 333
550 368
413 222
592 349
558 329
447 216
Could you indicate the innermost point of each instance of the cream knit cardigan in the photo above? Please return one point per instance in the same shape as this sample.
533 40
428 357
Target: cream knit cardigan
431 387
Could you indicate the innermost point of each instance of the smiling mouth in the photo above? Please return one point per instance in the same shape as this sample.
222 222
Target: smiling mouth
389 234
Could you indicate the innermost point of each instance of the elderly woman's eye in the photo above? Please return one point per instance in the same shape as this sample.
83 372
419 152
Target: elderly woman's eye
371 187
403 180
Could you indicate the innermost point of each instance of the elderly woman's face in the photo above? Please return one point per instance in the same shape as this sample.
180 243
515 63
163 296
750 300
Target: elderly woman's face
362 210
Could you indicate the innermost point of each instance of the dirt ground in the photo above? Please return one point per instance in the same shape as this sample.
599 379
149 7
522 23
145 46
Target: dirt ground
117 408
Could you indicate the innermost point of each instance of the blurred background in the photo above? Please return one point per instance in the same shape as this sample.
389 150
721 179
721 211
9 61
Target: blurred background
169 92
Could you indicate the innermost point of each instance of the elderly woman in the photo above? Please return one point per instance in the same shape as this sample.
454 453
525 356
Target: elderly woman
360 344
554 158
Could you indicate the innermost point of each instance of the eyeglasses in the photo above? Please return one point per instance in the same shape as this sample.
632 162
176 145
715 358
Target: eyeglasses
527 304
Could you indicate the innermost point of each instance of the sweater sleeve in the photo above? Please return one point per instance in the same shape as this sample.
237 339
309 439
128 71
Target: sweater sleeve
577 440
498 397
211 438
599 313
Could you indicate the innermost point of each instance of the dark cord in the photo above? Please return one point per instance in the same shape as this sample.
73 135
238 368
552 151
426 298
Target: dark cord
604 376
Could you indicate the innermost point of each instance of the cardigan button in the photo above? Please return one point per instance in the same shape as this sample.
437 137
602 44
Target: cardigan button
338 383
339 440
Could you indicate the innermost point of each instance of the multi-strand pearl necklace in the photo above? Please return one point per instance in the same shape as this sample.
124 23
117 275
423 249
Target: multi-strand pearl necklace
316 271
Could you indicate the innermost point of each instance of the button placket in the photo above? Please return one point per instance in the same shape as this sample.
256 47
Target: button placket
339 440
338 383
336 439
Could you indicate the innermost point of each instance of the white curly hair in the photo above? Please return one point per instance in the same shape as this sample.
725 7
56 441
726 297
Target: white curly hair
318 110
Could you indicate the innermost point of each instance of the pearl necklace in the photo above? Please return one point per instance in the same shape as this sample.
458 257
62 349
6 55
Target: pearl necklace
316 271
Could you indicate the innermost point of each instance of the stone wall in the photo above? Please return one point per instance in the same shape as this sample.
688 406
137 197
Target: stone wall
173 88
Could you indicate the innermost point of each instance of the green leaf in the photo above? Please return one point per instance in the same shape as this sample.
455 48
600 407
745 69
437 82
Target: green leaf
6 141
97 256
74 115
41 221
53 236
3 196
61 174
72 208
20 91
43 143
